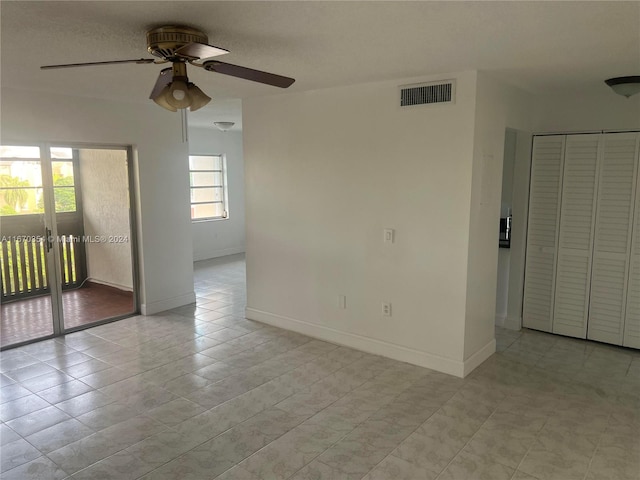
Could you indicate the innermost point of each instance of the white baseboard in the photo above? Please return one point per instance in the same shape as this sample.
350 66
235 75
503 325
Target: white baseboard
218 253
167 304
500 319
367 344
480 356
126 288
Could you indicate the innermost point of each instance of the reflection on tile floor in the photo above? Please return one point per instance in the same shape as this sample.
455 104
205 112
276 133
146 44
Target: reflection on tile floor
202 393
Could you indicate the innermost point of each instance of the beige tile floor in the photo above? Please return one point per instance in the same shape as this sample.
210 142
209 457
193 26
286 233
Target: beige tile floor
202 393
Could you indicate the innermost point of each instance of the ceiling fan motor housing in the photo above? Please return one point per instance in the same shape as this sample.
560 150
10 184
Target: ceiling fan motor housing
164 41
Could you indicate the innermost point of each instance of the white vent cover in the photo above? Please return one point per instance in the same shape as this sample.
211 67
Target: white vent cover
427 93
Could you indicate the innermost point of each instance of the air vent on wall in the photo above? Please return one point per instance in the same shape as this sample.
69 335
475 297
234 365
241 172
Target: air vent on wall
427 93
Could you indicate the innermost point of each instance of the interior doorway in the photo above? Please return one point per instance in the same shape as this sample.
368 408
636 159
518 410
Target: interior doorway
514 213
504 242
67 253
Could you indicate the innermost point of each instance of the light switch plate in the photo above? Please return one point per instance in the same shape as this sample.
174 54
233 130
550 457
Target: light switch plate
389 235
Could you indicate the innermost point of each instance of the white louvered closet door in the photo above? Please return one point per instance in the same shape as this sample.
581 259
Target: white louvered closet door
542 232
613 238
631 333
575 242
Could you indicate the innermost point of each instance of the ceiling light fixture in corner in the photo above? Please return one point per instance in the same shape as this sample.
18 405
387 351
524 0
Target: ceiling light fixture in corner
224 126
625 86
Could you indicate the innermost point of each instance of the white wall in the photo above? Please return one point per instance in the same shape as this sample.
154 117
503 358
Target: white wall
161 167
326 171
104 182
508 165
574 112
221 237
498 107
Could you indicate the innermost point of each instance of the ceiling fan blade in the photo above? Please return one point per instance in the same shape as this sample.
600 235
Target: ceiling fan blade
200 50
164 79
248 74
72 65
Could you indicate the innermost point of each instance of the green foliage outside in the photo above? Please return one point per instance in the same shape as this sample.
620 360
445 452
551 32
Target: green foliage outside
65 198
7 210
15 197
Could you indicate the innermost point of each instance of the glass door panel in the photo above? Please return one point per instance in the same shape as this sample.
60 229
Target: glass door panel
66 250
93 225
26 303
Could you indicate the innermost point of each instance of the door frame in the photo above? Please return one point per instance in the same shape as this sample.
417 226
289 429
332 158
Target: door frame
54 266
133 229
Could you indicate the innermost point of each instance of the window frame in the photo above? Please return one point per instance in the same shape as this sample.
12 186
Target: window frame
223 185
77 194
77 197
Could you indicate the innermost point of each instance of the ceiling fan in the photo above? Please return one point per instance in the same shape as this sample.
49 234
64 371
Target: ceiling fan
181 45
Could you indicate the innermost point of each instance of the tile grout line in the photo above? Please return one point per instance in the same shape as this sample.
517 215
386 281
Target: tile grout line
471 438
230 428
356 426
595 451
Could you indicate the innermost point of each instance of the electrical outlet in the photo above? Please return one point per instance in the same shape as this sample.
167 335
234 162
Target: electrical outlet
342 301
386 309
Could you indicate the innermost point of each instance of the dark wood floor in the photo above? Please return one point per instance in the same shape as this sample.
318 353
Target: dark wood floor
31 318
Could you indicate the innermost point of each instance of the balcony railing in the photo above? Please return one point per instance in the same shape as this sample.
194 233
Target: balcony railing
24 268
23 257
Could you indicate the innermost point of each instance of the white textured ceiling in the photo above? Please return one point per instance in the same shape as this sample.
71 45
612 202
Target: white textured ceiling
538 46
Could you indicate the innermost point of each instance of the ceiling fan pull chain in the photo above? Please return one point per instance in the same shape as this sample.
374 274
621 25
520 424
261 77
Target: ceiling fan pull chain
185 127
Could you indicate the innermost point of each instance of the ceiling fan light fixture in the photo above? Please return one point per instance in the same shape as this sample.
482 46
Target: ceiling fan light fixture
161 99
224 126
625 86
198 98
179 93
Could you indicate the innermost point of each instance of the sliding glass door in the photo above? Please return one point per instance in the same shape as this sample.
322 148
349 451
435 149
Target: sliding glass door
67 251
27 258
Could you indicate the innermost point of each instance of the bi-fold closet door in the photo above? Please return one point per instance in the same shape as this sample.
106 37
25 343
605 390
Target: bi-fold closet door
583 257
631 332
612 246
542 234
575 240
